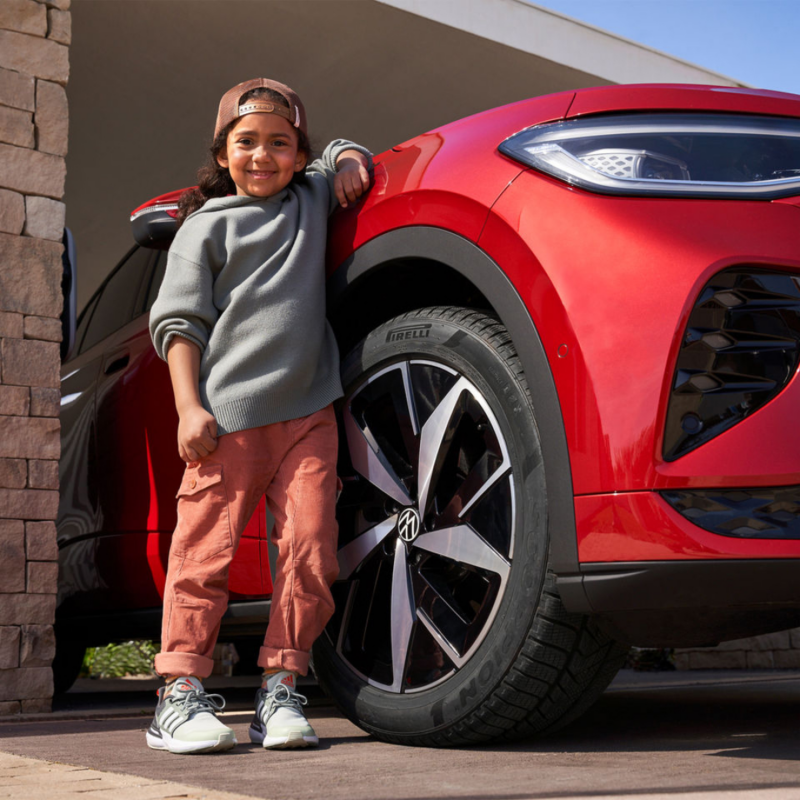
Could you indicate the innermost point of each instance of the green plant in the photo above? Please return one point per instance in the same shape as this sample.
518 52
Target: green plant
118 660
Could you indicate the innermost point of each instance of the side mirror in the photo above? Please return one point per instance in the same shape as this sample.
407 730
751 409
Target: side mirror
154 224
69 290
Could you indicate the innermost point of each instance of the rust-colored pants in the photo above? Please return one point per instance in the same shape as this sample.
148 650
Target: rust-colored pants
294 463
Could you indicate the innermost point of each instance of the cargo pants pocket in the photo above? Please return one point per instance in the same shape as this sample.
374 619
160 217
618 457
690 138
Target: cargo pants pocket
204 525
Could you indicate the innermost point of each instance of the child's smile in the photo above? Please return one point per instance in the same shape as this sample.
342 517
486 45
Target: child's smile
262 155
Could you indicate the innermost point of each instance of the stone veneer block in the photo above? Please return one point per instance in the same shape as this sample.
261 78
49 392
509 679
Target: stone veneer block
42 577
62 4
40 541
17 90
12 473
30 280
710 659
43 705
9 647
20 504
38 646
25 16
7 709
45 402
44 219
11 325
42 475
45 328
31 55
27 609
12 212
16 127
760 660
31 683
30 362
29 437
31 172
51 118
12 553
60 26
787 659
15 401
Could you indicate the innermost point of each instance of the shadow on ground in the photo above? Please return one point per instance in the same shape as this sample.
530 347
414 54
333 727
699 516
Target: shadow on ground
739 735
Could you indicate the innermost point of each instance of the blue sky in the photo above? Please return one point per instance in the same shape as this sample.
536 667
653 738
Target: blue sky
753 41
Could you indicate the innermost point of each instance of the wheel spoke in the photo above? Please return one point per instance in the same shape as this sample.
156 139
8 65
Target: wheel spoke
434 439
371 464
412 409
348 609
447 646
403 615
354 553
474 487
461 543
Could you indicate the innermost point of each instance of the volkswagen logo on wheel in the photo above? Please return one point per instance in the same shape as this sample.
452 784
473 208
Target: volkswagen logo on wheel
408 525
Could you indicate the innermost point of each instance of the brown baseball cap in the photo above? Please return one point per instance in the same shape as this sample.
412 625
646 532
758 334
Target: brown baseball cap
231 109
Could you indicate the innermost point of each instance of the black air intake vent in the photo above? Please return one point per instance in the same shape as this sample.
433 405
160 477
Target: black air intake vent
767 512
741 347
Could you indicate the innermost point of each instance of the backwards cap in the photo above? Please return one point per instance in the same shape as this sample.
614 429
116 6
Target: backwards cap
230 108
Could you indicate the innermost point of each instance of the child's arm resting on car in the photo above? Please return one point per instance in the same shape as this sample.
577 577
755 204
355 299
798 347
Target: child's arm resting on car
352 176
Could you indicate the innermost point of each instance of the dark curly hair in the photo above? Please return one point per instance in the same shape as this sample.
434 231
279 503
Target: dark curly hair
214 180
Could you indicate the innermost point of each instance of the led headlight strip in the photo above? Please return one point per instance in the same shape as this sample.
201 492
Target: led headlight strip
662 154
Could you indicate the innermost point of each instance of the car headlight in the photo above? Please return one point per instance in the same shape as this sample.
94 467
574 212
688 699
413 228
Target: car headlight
678 155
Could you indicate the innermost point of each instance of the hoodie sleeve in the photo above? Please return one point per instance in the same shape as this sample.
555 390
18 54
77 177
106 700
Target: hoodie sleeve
325 165
185 303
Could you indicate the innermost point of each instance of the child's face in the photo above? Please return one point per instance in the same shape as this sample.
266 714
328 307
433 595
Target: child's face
262 155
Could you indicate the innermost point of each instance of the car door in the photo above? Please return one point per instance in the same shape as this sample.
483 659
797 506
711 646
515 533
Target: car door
139 469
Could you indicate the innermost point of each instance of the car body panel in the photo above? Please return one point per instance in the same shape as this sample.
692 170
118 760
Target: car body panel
642 526
615 436
666 97
447 178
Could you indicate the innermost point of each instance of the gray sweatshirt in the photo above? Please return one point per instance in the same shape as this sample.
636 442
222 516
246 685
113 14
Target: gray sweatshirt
245 281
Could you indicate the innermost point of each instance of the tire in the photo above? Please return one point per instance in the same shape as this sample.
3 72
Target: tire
448 629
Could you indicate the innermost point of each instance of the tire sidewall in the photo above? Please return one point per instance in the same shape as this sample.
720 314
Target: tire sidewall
441 707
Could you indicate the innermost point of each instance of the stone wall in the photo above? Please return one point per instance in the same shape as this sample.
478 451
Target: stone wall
771 651
34 67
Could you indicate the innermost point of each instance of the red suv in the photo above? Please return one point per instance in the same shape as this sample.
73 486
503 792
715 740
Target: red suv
570 331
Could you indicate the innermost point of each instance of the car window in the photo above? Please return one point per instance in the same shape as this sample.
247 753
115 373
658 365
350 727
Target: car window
116 305
156 276
83 323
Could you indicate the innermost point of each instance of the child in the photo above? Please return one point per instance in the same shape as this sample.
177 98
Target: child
240 319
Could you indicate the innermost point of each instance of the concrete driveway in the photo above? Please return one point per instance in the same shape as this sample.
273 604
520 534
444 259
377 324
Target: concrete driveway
672 735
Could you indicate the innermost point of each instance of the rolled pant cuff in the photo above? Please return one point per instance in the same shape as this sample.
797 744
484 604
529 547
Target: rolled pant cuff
292 660
176 664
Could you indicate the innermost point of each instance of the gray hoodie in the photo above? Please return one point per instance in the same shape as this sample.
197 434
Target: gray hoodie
245 281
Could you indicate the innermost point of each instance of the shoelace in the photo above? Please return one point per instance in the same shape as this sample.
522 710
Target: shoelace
282 696
193 701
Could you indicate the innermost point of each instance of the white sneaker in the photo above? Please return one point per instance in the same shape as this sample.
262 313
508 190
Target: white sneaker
279 722
185 720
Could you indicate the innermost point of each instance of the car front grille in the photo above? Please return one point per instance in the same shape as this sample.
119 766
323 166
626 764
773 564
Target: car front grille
741 347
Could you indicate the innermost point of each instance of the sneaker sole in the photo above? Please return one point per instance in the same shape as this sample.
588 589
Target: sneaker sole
225 741
290 742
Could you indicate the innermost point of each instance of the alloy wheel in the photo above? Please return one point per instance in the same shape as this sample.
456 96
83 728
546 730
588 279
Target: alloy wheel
426 523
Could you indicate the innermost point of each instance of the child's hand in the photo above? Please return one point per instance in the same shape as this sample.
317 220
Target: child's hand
197 434
351 179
